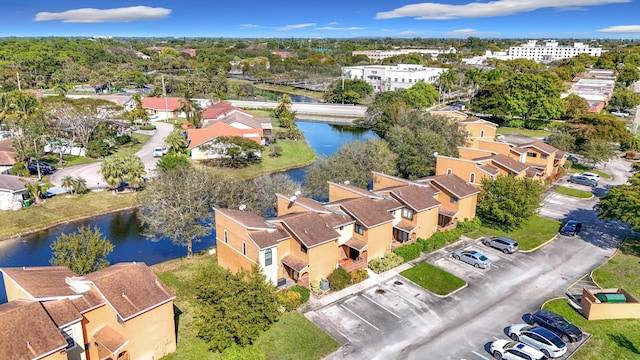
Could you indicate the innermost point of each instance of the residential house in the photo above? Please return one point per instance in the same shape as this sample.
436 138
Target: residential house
236 117
478 129
163 108
458 199
201 142
544 157
120 312
13 192
126 101
7 155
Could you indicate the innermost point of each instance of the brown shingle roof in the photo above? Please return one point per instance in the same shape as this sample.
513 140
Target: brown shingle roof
310 228
489 169
12 183
268 238
336 219
540 145
43 282
222 108
88 301
405 226
356 244
130 288
27 332
517 149
417 197
369 212
306 203
506 162
110 339
532 172
62 312
453 185
295 263
247 219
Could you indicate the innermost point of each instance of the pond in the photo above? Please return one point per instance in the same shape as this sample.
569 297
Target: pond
123 228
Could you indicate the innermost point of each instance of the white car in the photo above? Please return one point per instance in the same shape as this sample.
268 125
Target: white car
512 350
540 338
158 152
619 114
593 176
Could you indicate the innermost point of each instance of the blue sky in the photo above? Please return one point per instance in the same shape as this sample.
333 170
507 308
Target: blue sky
589 19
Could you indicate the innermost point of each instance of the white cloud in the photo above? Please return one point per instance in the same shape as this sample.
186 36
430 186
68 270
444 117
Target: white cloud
89 15
295 26
621 29
409 32
333 23
249 26
439 11
351 28
469 32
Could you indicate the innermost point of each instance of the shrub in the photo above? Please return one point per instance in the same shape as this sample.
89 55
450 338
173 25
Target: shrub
147 127
315 286
290 300
303 291
275 150
339 279
514 123
390 261
98 148
358 276
18 169
123 139
409 252
469 225
237 352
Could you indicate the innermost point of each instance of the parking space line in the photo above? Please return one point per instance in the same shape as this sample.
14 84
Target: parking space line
479 355
383 308
439 260
350 299
495 252
495 266
359 317
405 298
465 265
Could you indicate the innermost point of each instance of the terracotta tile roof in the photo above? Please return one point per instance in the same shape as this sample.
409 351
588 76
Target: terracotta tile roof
62 312
310 228
159 104
112 340
453 185
197 137
220 109
417 197
12 183
307 203
405 226
268 238
369 212
130 288
489 169
356 244
247 219
27 331
540 145
355 190
295 263
42 282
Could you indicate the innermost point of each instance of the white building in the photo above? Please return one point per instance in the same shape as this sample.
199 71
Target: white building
383 54
551 51
480 60
386 78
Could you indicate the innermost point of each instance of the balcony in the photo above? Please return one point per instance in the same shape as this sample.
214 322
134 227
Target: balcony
351 265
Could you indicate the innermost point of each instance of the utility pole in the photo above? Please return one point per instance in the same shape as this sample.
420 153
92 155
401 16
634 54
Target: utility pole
166 104
342 76
35 146
18 77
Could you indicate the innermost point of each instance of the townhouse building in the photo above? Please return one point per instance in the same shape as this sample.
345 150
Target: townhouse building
121 312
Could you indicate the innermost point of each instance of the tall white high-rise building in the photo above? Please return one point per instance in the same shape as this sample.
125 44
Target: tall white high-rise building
551 51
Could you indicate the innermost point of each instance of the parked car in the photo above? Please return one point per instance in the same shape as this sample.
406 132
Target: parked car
507 245
595 177
620 114
158 152
538 337
474 258
556 323
45 169
573 159
570 228
512 350
583 180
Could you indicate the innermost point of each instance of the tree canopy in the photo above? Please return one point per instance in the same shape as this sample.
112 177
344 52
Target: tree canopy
622 203
83 251
534 96
506 202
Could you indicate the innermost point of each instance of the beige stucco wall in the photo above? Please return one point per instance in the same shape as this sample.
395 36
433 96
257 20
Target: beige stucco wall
13 291
427 222
336 193
382 182
322 260
460 167
593 309
379 240
230 254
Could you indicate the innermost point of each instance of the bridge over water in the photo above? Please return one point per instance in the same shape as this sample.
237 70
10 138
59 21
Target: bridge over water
328 113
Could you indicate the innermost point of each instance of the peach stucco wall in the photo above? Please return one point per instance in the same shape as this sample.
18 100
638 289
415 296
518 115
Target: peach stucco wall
462 168
471 153
323 259
336 193
230 253
382 182
13 291
379 240
287 207
497 147
427 222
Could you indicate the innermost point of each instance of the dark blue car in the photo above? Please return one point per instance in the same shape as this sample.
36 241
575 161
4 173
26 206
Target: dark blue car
557 324
570 228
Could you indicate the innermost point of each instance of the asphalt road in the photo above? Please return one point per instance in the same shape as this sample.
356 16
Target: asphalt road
385 322
306 108
91 172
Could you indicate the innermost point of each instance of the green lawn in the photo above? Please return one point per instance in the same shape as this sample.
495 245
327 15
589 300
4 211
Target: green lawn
68 160
581 194
535 231
577 168
61 208
433 278
527 132
133 146
612 339
318 95
292 337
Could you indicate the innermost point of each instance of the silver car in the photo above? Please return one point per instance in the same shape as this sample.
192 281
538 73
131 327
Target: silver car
474 258
503 243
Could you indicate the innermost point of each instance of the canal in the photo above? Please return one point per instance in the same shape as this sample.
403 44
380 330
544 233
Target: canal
123 228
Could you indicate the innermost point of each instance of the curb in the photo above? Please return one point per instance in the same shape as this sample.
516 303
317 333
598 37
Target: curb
539 246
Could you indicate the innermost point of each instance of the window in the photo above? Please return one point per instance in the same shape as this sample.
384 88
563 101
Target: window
341 227
481 133
543 156
472 178
244 248
226 237
407 213
268 257
532 154
449 171
303 248
359 229
402 236
67 332
392 212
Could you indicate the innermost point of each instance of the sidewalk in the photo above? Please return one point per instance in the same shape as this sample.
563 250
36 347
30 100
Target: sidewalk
316 302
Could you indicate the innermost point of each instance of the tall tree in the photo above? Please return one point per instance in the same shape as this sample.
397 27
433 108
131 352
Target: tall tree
83 251
622 203
422 95
596 151
533 96
598 126
119 169
575 106
177 206
506 202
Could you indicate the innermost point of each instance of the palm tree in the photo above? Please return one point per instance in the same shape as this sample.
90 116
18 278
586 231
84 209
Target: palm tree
176 141
190 108
36 190
446 82
68 183
80 185
134 171
111 170
284 104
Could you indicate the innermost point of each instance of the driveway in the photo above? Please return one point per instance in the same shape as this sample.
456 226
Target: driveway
91 172
395 319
